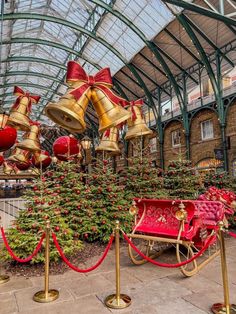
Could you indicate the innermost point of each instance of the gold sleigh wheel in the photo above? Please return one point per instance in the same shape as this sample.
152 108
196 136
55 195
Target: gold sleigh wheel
146 247
183 253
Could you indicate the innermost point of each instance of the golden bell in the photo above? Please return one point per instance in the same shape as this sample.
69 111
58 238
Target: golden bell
109 113
19 155
39 157
109 142
19 116
69 112
3 120
8 169
136 127
31 142
133 210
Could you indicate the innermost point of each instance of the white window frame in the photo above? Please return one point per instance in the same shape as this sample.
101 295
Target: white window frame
209 134
153 144
174 135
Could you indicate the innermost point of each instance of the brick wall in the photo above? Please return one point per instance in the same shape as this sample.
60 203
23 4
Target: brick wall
201 149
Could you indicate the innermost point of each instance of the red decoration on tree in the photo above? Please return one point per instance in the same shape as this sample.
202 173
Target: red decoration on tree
43 159
66 147
7 138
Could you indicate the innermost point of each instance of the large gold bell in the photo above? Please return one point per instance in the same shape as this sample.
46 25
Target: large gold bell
19 115
69 112
31 142
136 127
109 113
109 141
19 155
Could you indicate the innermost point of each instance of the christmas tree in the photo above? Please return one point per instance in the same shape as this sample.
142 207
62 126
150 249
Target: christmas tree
102 204
219 180
49 199
141 178
181 180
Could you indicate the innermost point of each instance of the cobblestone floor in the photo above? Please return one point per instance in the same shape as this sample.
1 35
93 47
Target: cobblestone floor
152 289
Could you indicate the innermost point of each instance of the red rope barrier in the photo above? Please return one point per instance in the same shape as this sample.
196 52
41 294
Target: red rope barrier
232 234
21 260
76 268
169 265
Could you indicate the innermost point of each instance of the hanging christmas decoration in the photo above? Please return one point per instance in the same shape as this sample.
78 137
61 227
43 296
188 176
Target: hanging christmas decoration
9 168
136 124
109 141
41 159
7 134
23 165
19 155
1 159
19 114
66 147
69 111
31 140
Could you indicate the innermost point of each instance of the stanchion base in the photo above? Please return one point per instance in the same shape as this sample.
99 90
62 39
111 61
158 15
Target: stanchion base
112 302
4 278
41 297
219 308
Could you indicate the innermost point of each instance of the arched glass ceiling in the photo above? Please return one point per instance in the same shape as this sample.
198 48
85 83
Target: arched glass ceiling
144 33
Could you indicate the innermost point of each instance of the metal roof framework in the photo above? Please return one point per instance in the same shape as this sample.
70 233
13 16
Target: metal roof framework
154 48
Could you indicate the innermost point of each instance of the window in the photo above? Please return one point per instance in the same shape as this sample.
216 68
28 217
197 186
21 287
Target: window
207 129
153 145
176 138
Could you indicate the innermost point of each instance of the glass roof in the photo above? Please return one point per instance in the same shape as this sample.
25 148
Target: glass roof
37 46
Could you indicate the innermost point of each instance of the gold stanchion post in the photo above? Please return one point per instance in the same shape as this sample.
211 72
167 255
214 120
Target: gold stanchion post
46 295
226 307
3 278
117 300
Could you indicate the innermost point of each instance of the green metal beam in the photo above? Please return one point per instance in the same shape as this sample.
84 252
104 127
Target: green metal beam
28 73
176 63
26 85
182 45
204 58
34 59
201 10
149 44
207 39
76 27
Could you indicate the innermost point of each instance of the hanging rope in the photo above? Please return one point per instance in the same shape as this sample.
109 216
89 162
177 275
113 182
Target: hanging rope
207 244
76 268
21 260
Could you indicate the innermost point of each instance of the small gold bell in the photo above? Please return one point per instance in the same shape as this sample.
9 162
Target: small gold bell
136 124
8 169
19 155
31 141
109 141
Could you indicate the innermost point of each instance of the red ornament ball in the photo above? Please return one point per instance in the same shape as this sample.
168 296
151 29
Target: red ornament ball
1 160
7 138
23 165
66 147
45 162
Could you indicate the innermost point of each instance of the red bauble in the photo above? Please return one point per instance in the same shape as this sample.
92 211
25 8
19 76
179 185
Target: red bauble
1 160
66 147
7 138
23 165
45 163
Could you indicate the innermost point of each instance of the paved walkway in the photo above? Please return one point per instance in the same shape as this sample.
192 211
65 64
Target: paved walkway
152 289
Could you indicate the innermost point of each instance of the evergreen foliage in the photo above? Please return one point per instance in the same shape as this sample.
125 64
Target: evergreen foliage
181 180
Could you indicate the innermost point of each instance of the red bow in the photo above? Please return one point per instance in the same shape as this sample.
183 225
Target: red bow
102 80
21 93
138 102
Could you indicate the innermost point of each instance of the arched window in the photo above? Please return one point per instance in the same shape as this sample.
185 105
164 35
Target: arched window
209 164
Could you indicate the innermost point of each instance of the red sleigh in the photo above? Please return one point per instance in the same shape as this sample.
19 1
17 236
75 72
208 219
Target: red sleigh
186 225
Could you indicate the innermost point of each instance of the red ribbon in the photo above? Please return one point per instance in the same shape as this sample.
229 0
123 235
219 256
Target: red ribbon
138 102
107 133
21 93
102 80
